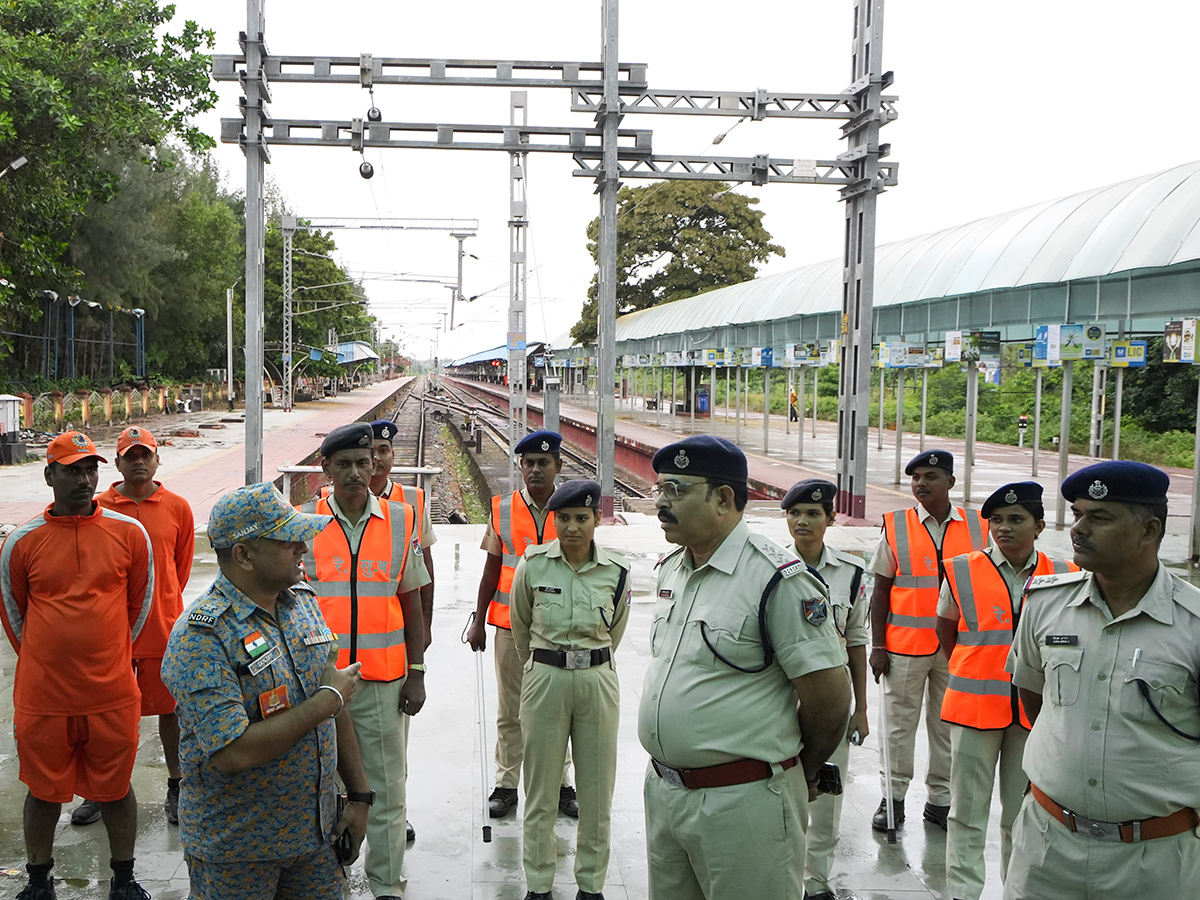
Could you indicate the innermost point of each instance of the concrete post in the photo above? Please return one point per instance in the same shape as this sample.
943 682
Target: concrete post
550 404
1064 438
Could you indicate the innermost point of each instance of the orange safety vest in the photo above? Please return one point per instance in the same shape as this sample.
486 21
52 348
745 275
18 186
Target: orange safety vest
980 693
357 591
517 529
919 567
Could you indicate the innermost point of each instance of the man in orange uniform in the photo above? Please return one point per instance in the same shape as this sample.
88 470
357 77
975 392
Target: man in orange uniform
519 520
167 518
909 566
367 571
382 486
980 604
78 586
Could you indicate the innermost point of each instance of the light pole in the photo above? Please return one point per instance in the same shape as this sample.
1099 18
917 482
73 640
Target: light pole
460 237
17 163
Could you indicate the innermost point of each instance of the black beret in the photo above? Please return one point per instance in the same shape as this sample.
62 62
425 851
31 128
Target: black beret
539 442
1019 493
812 490
937 459
383 430
575 493
703 455
1118 482
355 436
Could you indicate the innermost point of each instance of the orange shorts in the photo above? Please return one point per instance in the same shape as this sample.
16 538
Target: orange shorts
91 755
156 699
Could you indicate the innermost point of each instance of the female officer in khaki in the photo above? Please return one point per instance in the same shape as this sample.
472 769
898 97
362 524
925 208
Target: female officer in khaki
569 602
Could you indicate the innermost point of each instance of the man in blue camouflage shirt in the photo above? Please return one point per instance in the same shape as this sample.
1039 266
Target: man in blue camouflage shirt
253 668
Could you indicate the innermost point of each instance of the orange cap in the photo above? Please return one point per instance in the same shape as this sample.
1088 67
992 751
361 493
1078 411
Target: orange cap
135 437
70 447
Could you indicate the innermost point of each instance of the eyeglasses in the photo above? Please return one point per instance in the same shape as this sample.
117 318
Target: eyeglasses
672 489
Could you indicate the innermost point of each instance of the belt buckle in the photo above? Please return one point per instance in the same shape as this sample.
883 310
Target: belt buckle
578 659
669 775
1102 831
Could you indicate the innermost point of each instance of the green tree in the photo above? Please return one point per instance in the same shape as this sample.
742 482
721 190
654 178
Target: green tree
677 239
84 83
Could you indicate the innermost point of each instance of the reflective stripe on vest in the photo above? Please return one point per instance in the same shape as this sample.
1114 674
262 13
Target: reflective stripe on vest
402 497
919 563
518 529
357 592
980 693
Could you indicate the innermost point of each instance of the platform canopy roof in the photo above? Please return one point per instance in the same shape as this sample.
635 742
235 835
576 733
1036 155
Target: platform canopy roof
351 352
1148 222
484 356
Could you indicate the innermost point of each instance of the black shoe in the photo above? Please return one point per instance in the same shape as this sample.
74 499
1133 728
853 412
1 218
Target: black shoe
824 895
38 892
937 815
410 833
539 895
568 804
879 820
86 813
501 801
171 804
130 890
581 894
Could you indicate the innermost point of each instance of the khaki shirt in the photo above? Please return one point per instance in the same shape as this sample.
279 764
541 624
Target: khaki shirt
1097 748
849 614
415 575
425 530
491 537
556 607
697 711
883 561
1014 578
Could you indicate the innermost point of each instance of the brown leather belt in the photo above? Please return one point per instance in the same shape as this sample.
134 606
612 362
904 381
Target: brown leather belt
1127 832
742 771
573 659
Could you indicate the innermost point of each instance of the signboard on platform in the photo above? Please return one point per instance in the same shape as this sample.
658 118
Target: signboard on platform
1179 341
516 340
1064 342
715 357
901 355
1127 354
733 356
954 343
980 347
935 357
1093 342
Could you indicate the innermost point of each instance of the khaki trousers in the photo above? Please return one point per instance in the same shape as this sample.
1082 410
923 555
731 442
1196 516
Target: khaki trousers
584 705
509 747
1050 862
824 819
729 843
974 756
913 678
382 732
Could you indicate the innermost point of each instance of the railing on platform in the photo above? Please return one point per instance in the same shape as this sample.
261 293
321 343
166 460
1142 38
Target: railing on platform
424 474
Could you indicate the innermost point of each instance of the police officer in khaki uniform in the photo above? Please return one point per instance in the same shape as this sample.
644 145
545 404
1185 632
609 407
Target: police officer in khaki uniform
1106 663
726 797
979 606
570 599
809 507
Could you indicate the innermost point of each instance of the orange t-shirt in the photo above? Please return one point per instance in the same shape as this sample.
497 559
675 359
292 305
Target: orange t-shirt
77 591
167 518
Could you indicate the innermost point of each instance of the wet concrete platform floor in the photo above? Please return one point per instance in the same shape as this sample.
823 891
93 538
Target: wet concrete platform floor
449 860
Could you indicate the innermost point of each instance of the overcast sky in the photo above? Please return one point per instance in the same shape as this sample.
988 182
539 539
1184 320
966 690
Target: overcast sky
1001 106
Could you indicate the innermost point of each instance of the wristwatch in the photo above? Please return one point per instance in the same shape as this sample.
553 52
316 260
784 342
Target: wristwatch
367 797
418 667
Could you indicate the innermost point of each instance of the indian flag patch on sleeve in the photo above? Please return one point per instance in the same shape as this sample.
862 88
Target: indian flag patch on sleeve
255 644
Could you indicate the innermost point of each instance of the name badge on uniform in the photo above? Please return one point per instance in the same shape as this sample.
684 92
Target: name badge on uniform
271 657
548 589
665 594
1062 640
317 636
274 701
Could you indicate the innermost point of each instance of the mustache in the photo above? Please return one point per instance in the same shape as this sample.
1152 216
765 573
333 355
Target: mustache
664 516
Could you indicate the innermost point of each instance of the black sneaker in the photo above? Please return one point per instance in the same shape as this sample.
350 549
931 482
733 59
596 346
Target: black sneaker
501 802
86 813
538 895
568 803
171 804
410 833
38 892
824 895
937 815
130 890
581 894
879 820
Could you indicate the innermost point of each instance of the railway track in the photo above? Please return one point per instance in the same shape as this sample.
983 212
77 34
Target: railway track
408 445
495 421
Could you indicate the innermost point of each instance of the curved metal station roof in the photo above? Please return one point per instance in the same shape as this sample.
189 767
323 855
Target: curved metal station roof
1148 222
484 356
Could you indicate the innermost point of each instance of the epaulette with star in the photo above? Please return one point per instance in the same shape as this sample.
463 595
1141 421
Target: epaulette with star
663 559
1056 579
785 563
